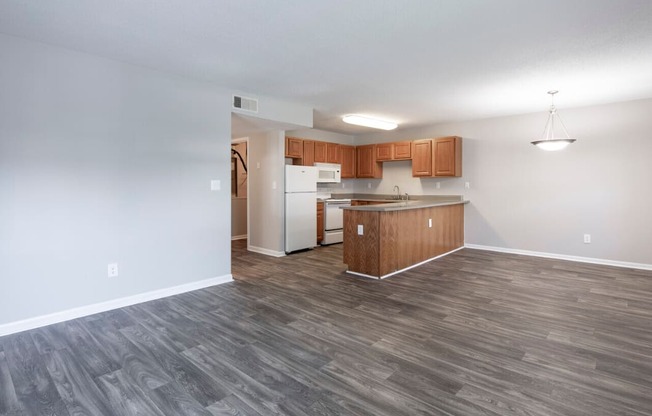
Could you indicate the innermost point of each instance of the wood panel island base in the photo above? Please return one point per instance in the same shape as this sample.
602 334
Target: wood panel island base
381 240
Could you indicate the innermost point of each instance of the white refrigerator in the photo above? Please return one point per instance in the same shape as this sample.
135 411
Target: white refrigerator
300 207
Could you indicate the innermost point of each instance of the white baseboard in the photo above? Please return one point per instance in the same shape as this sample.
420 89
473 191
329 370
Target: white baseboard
239 237
579 259
53 318
266 251
406 268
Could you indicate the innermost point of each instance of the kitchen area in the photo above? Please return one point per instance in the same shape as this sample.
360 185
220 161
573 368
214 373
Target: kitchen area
382 233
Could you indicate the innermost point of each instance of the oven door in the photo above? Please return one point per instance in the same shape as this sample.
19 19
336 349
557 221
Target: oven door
334 221
333 217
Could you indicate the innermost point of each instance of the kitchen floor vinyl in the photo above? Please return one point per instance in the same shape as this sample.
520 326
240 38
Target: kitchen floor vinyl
473 333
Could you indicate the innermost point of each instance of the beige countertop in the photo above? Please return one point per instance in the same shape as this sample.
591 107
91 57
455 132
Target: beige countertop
405 205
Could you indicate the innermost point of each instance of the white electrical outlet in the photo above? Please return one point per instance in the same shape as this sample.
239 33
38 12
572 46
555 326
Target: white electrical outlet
360 229
343 185
429 222
587 238
216 185
467 185
273 184
113 269
257 165
438 185
368 185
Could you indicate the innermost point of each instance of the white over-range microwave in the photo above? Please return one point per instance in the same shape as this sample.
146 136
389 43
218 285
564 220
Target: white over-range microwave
328 173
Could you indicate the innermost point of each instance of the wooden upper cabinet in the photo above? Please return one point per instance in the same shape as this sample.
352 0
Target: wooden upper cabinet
402 150
384 151
394 151
447 156
422 157
308 153
367 166
348 161
320 152
430 157
333 153
293 147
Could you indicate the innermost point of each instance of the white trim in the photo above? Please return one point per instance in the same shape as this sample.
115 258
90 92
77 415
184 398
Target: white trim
266 251
239 237
53 318
579 259
407 268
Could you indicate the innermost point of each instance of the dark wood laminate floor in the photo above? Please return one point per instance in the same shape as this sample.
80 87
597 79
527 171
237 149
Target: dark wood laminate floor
474 333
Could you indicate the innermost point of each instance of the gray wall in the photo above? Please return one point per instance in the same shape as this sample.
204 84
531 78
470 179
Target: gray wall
266 192
238 217
103 162
321 135
528 199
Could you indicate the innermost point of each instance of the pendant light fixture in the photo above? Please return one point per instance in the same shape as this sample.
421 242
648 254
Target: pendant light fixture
549 141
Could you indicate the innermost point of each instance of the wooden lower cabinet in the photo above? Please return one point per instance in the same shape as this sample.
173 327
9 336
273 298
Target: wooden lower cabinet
395 240
320 222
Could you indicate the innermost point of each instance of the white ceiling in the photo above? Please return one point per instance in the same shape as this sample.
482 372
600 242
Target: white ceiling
415 62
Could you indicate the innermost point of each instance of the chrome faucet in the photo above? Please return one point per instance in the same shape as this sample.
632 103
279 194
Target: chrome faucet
407 197
398 192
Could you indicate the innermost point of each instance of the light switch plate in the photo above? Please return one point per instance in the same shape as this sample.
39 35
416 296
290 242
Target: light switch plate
360 229
216 185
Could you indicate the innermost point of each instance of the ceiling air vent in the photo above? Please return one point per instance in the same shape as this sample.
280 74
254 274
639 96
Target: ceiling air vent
246 104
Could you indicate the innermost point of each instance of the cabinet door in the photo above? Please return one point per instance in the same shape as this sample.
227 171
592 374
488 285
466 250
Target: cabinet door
348 161
333 153
320 152
320 222
366 164
308 153
402 150
384 151
293 147
422 157
448 156
365 159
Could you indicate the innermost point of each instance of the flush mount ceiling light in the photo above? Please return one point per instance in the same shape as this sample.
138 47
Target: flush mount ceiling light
549 141
375 123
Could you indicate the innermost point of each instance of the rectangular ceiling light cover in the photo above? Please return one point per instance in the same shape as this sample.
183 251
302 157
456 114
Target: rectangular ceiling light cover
366 121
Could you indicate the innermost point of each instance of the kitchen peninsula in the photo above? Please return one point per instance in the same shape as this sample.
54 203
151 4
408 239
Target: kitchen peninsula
381 240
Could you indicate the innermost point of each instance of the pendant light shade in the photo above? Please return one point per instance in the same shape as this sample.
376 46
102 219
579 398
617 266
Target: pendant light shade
549 141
